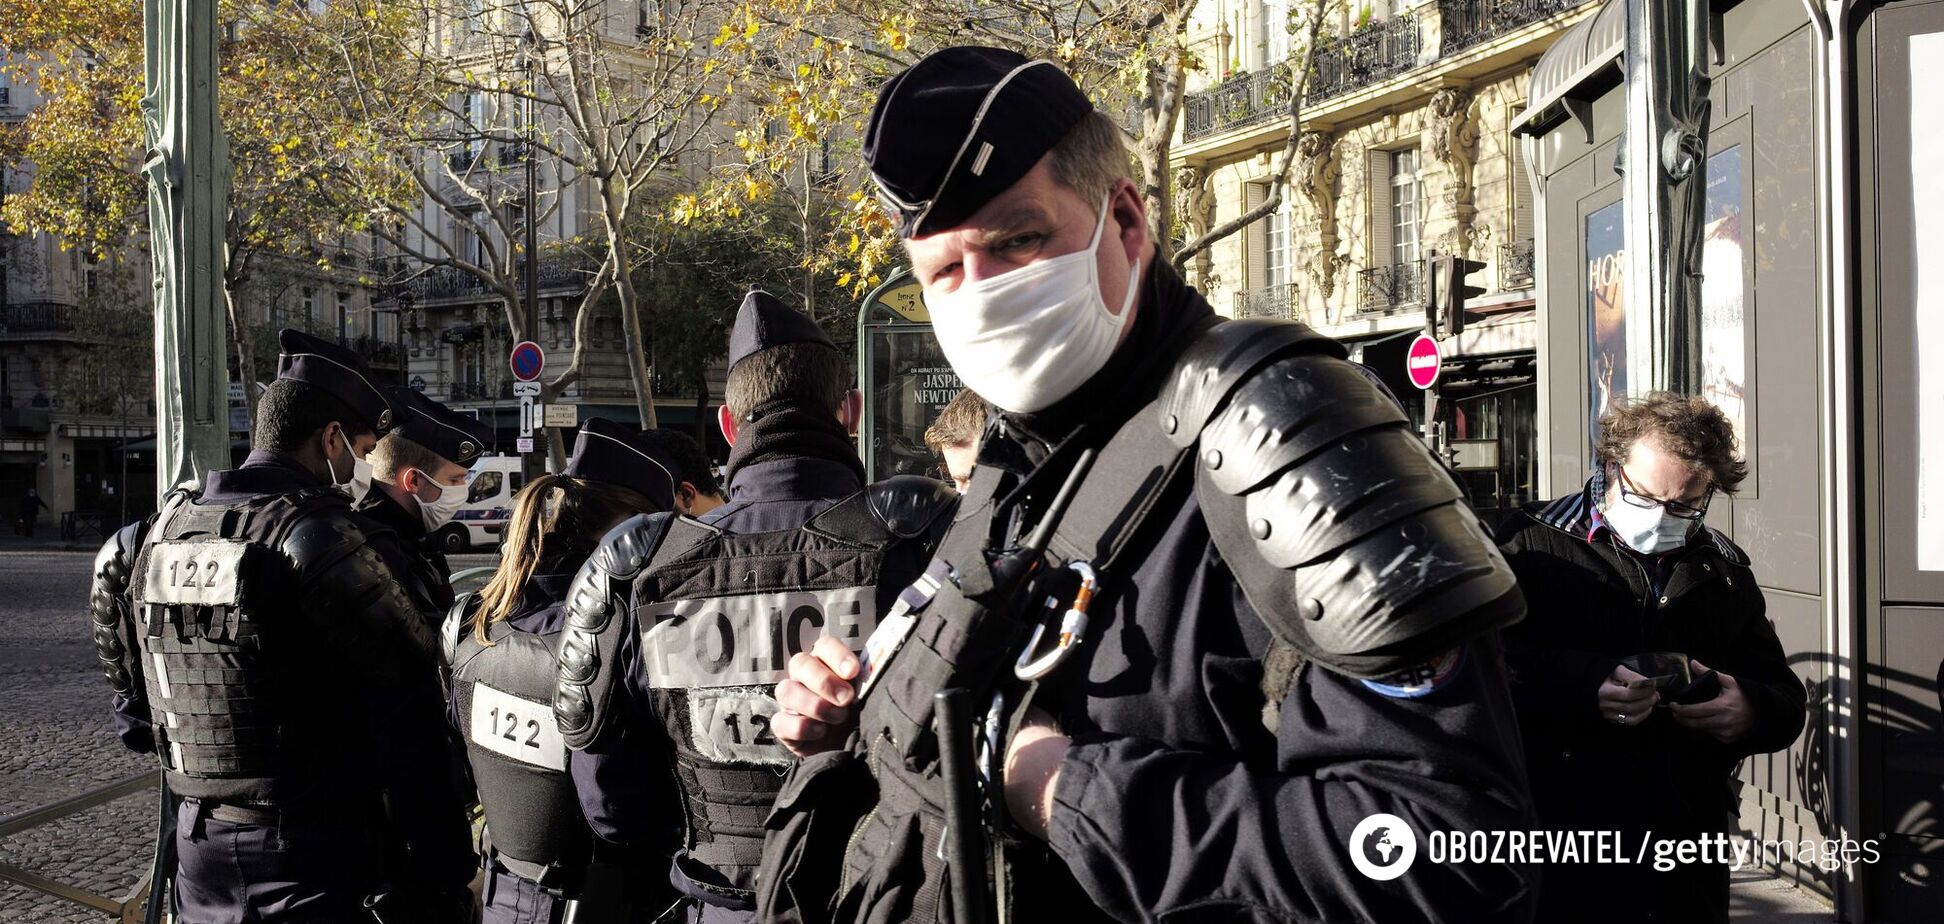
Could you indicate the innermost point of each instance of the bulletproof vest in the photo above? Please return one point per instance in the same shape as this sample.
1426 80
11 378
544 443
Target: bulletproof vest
501 693
720 615
209 588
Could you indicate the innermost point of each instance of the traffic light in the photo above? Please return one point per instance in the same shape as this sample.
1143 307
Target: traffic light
1450 289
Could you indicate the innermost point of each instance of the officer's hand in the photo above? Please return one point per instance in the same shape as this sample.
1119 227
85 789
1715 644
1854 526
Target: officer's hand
1728 717
1627 697
1033 771
815 701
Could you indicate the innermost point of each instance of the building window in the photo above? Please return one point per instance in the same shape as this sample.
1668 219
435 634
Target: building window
310 308
1275 31
1276 245
1406 207
344 315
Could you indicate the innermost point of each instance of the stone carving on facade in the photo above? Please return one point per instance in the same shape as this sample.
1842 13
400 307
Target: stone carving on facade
1453 131
1314 177
1194 209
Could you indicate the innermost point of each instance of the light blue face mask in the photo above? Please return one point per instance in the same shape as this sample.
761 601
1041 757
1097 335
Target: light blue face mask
1649 530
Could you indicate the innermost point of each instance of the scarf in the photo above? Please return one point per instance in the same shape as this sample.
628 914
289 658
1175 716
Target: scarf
784 429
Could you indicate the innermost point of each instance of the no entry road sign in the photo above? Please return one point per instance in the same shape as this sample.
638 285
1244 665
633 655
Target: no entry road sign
1421 362
527 361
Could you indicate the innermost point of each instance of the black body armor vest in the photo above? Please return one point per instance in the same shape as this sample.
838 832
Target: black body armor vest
209 587
502 693
721 614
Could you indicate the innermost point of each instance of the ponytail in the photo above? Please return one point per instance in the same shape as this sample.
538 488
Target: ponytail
526 533
558 518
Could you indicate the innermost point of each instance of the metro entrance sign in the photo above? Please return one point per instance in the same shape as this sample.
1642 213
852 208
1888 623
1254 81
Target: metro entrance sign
1421 362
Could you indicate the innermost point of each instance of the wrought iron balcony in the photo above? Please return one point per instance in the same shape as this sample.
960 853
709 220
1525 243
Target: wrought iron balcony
511 153
1516 266
462 160
452 282
1392 288
1472 22
1371 54
1243 99
1277 301
36 319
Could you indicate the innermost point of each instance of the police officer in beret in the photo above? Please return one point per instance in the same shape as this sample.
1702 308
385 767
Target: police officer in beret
679 627
538 852
418 481
268 657
1264 616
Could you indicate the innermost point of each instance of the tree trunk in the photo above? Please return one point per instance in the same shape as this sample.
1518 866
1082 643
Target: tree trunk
245 353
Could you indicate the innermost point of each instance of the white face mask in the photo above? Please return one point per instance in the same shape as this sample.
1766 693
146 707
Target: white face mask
1027 338
360 483
1648 530
438 511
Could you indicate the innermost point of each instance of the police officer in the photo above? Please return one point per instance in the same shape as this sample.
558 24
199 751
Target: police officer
679 628
698 491
260 648
1269 609
418 481
500 647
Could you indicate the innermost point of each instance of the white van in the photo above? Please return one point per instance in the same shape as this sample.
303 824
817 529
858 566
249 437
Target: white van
490 487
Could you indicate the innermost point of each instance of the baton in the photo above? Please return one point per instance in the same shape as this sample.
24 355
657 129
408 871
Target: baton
964 850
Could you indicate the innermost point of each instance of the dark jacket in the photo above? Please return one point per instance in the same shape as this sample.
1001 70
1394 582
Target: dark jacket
1590 602
624 780
374 671
1175 801
403 545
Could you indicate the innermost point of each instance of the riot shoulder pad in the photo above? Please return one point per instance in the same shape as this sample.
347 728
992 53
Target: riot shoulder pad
314 544
453 629
108 602
908 505
1223 356
342 580
597 618
1347 536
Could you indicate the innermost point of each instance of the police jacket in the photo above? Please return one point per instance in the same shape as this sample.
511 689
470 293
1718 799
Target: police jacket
1182 797
402 542
622 778
713 615
1592 602
351 668
500 707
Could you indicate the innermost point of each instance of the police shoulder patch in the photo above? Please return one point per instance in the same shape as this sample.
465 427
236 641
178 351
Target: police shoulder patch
1422 679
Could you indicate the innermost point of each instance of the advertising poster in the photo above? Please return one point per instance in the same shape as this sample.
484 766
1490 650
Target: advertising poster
913 383
1606 311
1927 205
1723 370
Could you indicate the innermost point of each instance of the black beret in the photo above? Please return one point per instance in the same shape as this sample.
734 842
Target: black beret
962 126
337 370
621 455
450 435
764 321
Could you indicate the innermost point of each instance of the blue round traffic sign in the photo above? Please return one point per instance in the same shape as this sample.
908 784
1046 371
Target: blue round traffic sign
527 361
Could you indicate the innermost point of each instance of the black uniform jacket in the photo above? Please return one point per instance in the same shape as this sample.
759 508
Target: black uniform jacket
422 570
1591 602
386 703
623 779
1175 801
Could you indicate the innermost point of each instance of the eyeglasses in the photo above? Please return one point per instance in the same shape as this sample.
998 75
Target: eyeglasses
1674 509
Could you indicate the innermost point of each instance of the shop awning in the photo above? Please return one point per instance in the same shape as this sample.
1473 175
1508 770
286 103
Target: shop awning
1503 332
1577 69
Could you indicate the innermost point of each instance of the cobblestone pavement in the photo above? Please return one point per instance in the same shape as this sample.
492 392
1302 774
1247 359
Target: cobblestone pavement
56 741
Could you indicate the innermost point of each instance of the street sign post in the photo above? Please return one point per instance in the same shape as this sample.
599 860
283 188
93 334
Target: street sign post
561 415
526 361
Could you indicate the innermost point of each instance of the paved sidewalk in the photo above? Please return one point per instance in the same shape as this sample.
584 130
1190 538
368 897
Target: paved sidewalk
1762 897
